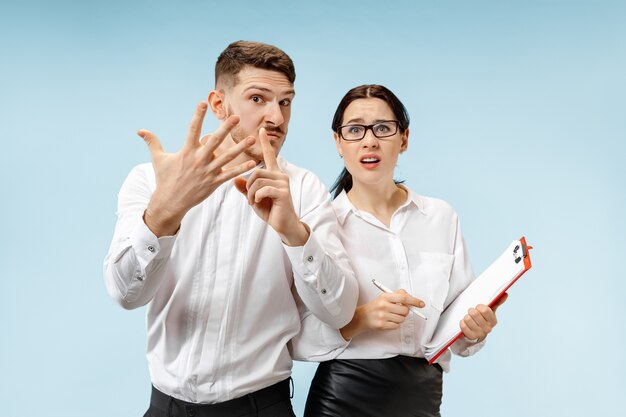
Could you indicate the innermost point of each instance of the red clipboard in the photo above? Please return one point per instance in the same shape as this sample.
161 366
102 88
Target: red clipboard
525 257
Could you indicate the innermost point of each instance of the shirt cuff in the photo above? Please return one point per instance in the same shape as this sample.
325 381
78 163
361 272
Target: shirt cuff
148 247
311 267
466 347
306 260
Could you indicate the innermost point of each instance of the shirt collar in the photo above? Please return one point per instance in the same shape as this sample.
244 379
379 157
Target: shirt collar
343 207
414 199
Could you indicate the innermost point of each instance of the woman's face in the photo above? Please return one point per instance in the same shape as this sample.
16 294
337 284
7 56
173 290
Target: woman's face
371 160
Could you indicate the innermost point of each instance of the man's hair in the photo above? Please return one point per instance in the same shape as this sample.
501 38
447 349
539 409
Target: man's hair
240 54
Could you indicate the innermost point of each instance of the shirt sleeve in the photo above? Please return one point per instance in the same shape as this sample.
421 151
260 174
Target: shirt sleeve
136 258
461 277
464 347
316 341
323 276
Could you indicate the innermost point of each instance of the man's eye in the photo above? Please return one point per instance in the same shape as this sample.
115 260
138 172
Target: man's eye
285 103
257 99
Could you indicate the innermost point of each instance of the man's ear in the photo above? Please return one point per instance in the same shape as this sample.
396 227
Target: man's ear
405 141
216 102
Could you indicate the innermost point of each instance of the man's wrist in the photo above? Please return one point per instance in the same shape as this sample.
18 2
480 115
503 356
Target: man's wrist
160 221
298 235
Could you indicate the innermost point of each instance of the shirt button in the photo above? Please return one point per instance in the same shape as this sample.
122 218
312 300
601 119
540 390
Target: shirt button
139 277
310 259
151 248
407 339
323 290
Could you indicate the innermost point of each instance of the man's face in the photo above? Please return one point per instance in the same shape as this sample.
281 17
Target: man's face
261 98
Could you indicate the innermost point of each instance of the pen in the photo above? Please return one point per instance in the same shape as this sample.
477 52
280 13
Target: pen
387 290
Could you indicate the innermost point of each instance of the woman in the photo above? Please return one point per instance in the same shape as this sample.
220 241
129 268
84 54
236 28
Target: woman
402 240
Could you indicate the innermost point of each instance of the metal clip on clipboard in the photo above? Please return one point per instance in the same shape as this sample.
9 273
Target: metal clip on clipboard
524 252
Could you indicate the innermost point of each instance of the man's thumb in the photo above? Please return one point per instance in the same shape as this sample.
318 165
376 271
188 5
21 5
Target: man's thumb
151 140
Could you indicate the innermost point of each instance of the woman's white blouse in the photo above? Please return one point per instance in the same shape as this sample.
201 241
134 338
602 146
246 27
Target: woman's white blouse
422 252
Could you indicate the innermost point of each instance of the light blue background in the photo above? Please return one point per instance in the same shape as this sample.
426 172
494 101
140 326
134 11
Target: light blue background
518 120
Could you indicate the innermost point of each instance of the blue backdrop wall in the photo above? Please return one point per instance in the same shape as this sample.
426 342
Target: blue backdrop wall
518 120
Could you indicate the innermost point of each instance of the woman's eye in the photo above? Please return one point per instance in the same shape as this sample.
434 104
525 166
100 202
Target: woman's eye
355 129
382 128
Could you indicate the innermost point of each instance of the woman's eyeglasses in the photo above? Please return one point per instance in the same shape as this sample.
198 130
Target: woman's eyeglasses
381 130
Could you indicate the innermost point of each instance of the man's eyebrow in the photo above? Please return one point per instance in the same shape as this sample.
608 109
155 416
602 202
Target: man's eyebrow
267 90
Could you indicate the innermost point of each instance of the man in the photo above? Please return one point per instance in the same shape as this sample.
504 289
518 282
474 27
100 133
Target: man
226 244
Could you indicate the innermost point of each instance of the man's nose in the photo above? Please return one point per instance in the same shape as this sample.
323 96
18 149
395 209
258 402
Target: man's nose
274 114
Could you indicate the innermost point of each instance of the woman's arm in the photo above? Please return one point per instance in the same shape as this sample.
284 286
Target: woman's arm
386 312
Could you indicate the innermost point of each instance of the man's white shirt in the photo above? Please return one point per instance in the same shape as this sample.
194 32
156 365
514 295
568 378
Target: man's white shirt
224 295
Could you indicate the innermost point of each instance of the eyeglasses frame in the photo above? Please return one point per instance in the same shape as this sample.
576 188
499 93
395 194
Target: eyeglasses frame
369 127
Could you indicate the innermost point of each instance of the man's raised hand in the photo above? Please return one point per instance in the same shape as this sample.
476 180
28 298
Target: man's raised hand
187 177
267 191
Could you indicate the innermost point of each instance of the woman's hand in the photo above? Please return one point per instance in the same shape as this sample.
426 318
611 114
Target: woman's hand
480 321
386 312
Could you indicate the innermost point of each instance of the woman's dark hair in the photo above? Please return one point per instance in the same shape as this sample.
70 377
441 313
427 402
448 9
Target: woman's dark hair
344 181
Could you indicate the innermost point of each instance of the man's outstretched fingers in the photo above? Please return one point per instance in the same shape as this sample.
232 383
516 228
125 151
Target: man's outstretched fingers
235 171
195 126
205 138
154 146
216 138
234 152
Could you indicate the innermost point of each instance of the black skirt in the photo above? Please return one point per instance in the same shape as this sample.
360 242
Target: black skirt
394 387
